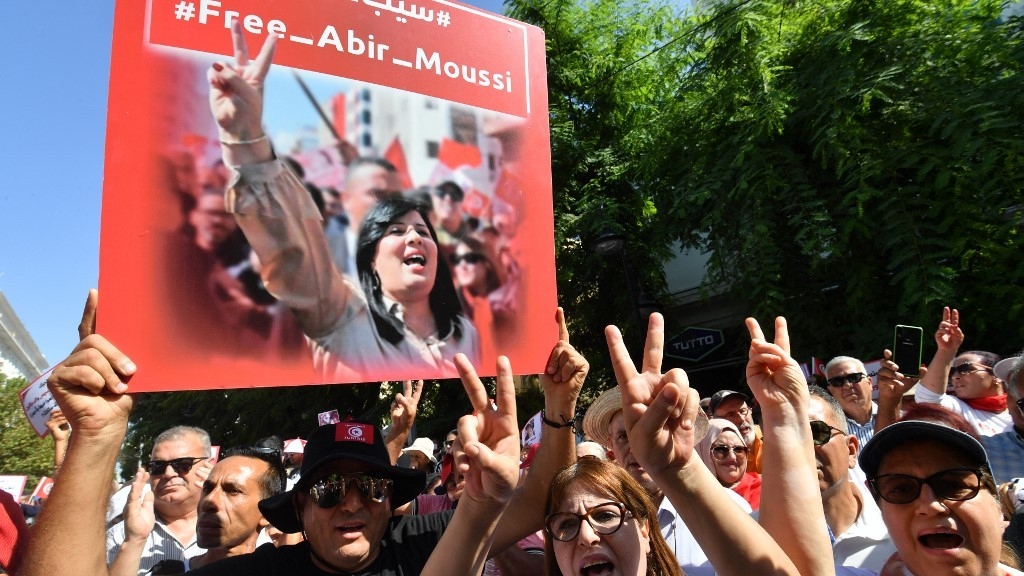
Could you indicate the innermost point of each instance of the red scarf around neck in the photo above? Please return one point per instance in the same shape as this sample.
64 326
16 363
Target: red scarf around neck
993 404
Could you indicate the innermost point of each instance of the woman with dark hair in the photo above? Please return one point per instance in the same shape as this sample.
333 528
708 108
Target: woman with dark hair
598 514
477 279
404 320
978 395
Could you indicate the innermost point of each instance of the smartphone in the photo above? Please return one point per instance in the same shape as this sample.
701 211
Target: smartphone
906 349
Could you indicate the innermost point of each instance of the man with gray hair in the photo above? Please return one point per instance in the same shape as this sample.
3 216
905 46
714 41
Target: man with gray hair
178 466
860 538
849 383
1006 450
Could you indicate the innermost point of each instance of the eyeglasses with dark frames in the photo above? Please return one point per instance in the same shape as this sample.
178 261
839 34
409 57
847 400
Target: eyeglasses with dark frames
851 379
969 367
956 484
330 490
468 258
722 452
822 433
604 518
180 465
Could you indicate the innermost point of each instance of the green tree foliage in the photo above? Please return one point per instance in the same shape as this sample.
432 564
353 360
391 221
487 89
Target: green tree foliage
21 451
851 164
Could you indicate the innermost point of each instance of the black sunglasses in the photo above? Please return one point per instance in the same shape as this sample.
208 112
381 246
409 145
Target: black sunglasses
722 452
966 368
1020 404
605 518
956 484
329 491
179 465
821 432
851 379
470 258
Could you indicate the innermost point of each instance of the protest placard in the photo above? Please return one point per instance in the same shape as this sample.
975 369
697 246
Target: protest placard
13 485
38 403
448 94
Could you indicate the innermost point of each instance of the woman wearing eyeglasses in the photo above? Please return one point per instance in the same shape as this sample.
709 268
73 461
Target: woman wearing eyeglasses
601 521
934 486
978 394
724 453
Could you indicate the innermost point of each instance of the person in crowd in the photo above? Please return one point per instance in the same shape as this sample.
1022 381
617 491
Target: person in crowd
604 423
421 455
979 393
1006 450
860 538
591 449
849 382
367 181
14 534
599 518
725 454
179 465
229 522
403 316
477 279
662 425
449 221
934 486
735 407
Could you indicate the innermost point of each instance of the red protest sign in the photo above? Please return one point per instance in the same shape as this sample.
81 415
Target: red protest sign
446 92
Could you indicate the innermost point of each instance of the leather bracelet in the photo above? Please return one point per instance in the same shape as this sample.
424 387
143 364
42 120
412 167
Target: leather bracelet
570 424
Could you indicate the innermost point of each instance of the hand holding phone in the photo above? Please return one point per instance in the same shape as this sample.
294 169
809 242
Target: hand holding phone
906 349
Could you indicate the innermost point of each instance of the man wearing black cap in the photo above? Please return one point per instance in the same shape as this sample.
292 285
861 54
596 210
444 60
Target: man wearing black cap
734 407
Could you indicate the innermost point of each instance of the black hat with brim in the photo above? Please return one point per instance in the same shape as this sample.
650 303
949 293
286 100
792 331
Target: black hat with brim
349 441
895 435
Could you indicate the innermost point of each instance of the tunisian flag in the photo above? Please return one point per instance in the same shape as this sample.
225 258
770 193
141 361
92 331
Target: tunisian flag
454 154
396 155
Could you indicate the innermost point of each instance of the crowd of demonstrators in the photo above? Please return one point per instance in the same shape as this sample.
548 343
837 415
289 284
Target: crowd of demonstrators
920 497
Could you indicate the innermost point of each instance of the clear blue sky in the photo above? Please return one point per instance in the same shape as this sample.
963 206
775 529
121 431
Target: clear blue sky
54 105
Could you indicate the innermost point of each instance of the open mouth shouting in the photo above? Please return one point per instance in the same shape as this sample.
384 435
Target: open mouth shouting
940 539
599 565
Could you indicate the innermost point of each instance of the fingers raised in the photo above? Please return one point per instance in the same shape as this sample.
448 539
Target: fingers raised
471 383
239 44
654 345
754 329
782 334
622 364
505 395
563 330
88 324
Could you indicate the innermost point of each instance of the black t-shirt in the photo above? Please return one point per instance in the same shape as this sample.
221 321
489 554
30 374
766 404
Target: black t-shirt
407 544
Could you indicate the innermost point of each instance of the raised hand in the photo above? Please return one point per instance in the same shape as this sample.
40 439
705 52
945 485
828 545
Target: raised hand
489 436
773 375
891 382
564 374
949 336
236 91
139 517
659 409
403 409
90 387
58 426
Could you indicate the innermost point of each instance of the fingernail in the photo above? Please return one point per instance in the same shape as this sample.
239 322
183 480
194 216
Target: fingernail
128 367
218 66
121 388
